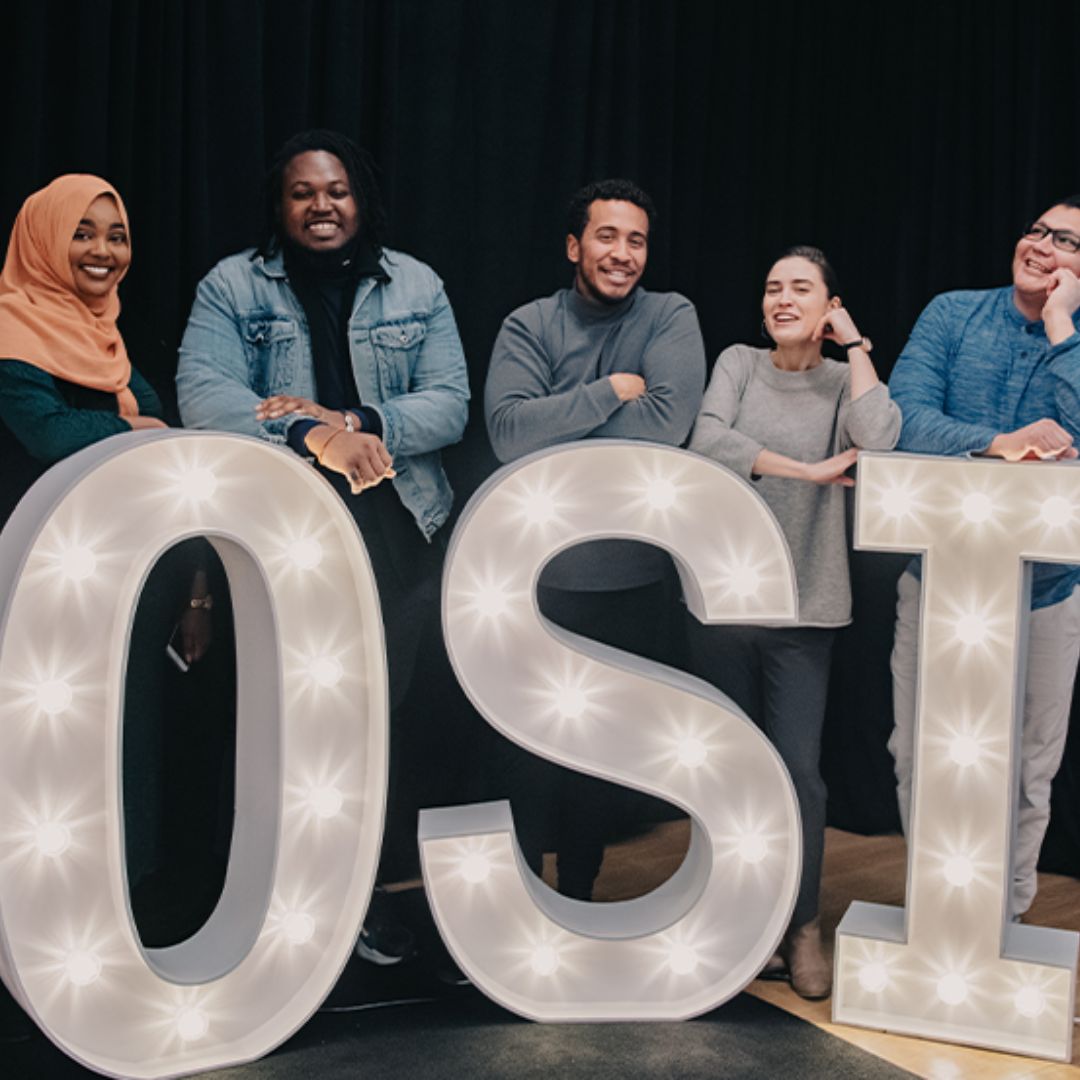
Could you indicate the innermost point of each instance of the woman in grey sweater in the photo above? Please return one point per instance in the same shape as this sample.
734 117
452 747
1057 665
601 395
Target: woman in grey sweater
793 421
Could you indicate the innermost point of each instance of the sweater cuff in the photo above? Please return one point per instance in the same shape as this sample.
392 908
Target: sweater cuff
602 394
1070 343
297 433
370 420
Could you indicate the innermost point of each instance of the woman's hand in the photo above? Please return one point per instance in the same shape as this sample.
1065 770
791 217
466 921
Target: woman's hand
273 408
144 423
832 470
829 471
359 456
837 325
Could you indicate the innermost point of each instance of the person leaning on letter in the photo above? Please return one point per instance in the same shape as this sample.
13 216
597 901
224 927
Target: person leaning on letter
997 372
327 341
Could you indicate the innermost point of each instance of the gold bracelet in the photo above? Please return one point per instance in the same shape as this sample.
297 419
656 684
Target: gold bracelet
334 434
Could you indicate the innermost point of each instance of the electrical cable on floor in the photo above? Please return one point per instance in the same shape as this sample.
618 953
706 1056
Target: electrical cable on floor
377 1005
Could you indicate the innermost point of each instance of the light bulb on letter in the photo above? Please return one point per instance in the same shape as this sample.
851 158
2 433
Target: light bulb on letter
544 960
53 696
475 868
82 968
77 563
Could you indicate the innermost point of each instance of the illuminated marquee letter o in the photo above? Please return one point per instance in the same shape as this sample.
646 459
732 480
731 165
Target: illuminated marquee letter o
703 935
952 966
311 751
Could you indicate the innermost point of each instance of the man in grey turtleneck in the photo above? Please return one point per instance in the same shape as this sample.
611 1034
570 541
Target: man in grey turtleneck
603 359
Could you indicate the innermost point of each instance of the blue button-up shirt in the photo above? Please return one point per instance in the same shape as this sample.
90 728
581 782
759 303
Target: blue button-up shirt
973 368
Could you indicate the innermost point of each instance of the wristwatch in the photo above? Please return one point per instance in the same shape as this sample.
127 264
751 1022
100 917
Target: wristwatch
863 343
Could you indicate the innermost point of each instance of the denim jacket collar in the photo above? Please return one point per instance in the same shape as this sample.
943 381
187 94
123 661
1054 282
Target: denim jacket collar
274 266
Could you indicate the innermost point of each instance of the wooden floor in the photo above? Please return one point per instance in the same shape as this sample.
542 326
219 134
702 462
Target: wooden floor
863 868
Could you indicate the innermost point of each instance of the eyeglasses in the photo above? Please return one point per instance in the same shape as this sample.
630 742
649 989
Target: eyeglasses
1060 238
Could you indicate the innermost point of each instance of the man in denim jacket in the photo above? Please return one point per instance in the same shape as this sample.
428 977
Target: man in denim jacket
997 372
248 339
324 341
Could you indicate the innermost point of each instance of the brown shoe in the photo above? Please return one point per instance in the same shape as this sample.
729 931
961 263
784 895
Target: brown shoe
811 975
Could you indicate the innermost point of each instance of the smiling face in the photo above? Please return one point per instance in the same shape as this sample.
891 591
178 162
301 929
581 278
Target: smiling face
318 209
99 253
611 254
1035 260
795 300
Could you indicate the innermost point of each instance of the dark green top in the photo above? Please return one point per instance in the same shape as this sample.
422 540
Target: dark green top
44 419
53 418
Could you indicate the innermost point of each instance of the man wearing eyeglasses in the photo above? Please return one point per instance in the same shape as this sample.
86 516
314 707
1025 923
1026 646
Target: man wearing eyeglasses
997 373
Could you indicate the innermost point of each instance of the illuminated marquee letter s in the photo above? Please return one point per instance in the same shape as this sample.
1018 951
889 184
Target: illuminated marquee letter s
703 935
311 751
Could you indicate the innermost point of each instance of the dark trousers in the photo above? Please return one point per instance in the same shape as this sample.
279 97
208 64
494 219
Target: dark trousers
554 807
430 718
779 677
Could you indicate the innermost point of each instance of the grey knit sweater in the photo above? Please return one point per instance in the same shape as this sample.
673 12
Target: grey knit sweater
548 384
751 405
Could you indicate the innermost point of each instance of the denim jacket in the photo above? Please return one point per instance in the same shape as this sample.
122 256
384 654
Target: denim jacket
247 338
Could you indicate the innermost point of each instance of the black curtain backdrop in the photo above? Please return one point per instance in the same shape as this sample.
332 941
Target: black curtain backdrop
910 141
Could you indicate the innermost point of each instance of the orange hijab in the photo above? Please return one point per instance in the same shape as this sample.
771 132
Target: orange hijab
43 321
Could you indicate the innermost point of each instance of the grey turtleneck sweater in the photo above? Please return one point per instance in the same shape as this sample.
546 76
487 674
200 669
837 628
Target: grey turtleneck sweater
548 384
750 406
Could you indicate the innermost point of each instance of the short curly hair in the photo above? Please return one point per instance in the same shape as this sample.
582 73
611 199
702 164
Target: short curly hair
359 168
577 213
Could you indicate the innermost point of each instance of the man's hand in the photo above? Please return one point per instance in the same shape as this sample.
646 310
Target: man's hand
832 470
1045 439
627 386
1062 300
360 457
273 408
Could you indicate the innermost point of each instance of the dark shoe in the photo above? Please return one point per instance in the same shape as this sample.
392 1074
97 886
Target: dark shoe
384 940
449 974
811 975
775 969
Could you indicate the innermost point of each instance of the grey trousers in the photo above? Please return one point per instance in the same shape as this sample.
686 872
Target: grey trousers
779 677
1053 651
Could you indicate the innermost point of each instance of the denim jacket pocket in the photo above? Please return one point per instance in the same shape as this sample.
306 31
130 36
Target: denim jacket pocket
270 344
396 346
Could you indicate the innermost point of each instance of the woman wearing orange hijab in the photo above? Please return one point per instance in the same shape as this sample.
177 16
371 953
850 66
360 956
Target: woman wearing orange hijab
65 377
66 382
